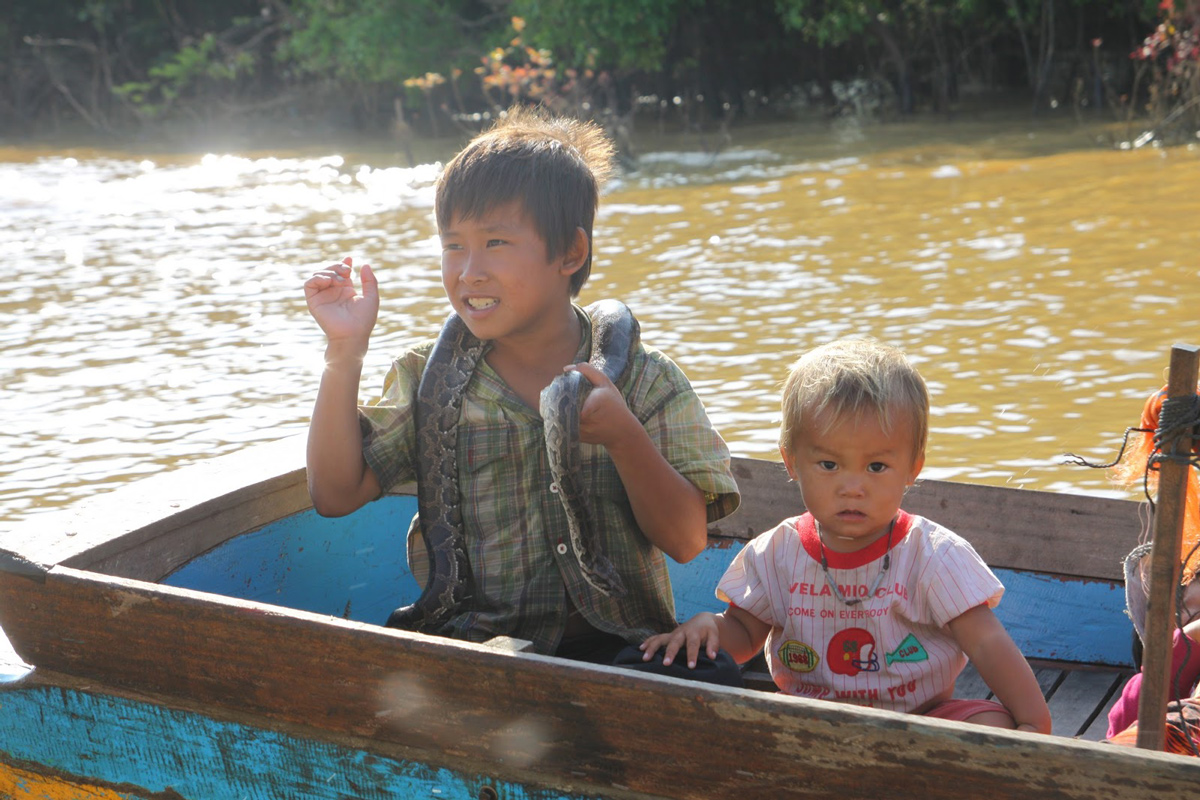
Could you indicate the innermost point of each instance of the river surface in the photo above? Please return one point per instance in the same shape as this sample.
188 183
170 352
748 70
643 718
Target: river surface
153 315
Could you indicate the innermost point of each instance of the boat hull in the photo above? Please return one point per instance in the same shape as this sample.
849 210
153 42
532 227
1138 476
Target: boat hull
65 742
508 719
209 636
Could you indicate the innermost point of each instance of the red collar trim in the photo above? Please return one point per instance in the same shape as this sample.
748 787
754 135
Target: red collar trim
807 528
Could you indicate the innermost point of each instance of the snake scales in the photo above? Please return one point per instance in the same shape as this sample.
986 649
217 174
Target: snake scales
615 336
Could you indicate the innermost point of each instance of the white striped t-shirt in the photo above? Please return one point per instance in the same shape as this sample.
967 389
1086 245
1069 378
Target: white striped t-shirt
894 650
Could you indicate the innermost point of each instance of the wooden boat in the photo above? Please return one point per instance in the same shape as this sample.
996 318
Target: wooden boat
204 634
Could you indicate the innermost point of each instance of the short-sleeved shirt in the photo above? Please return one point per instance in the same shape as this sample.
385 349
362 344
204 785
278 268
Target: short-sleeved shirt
515 526
894 650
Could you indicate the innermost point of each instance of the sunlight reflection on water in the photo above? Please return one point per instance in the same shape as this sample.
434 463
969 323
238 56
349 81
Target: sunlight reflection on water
157 316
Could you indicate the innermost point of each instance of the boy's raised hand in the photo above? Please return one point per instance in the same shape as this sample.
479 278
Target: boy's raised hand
342 313
701 629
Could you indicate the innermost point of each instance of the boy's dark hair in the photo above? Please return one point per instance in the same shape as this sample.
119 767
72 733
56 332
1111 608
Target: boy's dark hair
553 166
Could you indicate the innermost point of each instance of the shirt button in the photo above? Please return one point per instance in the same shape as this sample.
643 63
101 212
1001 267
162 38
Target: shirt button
554 488
562 549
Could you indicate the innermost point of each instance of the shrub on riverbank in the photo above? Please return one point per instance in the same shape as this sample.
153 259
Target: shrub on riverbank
426 67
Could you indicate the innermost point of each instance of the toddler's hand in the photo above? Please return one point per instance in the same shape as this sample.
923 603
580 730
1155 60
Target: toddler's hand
698 631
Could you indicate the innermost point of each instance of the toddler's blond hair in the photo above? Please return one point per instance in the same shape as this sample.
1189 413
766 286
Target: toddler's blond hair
850 377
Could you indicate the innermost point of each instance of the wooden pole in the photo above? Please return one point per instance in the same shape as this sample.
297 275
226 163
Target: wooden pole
1165 569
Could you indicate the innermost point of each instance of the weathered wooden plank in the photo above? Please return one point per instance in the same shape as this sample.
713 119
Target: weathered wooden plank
509 645
1057 619
1075 696
1023 529
1098 729
1080 698
1014 528
66 742
149 528
25 784
970 685
1165 566
1048 678
592 728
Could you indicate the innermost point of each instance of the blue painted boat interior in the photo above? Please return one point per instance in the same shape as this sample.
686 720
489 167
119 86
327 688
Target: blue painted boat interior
352 567
355 567
153 751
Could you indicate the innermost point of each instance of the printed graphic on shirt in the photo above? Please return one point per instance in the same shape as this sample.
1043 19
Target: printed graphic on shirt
852 651
797 656
907 652
812 690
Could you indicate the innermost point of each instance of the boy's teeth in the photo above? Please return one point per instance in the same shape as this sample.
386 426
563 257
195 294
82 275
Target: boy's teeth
480 303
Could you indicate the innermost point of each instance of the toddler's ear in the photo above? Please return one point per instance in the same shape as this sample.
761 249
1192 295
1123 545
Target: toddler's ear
787 463
918 465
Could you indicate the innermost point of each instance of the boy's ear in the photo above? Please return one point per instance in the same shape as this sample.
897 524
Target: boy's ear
577 253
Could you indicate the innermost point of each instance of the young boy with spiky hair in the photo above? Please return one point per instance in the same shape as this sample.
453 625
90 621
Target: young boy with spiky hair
463 416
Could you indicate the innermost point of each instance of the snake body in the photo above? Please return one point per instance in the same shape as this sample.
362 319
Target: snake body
615 336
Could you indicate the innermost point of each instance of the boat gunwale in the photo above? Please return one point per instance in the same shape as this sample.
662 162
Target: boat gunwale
149 528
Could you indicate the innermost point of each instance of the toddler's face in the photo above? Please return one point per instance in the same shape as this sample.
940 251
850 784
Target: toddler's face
853 475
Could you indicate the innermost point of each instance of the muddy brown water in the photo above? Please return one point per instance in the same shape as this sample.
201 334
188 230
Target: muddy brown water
152 313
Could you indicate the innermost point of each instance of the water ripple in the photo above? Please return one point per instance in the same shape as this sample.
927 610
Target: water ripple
157 316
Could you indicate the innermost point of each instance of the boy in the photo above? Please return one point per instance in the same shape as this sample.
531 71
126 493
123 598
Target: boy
515 211
856 599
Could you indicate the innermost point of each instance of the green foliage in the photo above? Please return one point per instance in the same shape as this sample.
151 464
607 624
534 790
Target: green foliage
186 56
831 23
836 22
626 34
97 13
377 41
193 66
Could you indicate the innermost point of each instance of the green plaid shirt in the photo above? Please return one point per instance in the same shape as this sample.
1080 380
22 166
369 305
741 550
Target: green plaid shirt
516 528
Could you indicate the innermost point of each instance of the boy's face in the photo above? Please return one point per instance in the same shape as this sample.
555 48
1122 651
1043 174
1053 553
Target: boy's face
853 475
497 276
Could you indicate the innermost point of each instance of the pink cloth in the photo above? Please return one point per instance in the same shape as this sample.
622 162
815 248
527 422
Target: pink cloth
962 710
1125 712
